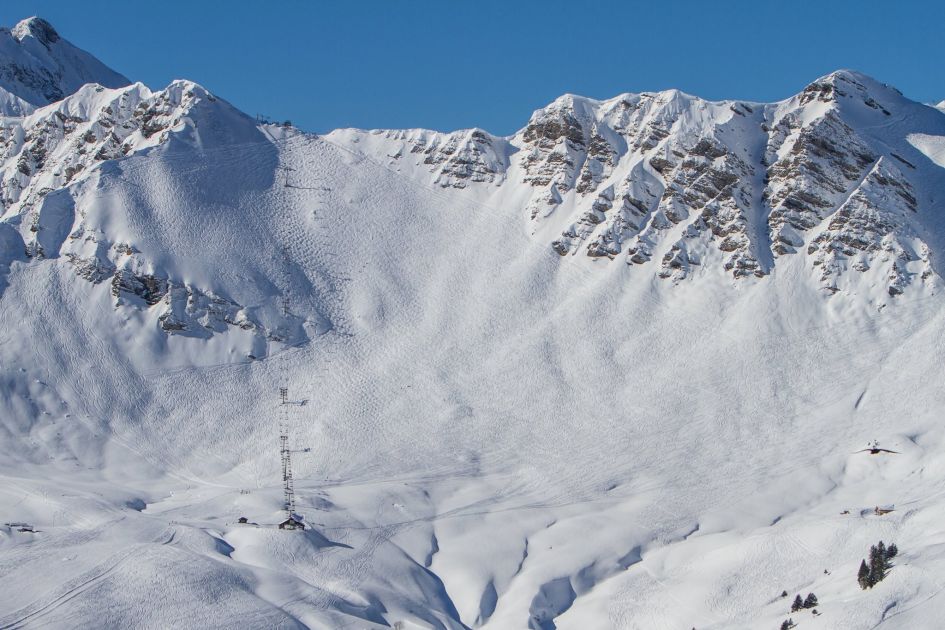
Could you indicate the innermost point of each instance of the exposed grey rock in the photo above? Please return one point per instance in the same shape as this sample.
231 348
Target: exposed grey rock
456 159
149 288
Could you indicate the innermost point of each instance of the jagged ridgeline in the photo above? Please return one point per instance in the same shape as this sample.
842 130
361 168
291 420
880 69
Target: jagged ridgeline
126 184
671 183
664 182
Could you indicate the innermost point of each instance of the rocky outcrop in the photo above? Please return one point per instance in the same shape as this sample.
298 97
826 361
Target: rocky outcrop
708 186
871 229
196 313
184 309
464 157
700 185
824 160
564 145
455 160
150 289
685 183
626 221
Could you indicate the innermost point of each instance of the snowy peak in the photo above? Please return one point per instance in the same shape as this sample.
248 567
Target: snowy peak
852 92
65 141
674 181
38 67
60 164
38 28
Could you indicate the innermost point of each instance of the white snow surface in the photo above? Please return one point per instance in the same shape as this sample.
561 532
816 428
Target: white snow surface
498 436
933 147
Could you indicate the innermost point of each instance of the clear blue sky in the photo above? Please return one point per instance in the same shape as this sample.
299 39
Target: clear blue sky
489 63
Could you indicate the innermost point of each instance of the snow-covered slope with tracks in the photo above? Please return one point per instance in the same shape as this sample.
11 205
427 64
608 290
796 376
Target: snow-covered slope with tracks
611 371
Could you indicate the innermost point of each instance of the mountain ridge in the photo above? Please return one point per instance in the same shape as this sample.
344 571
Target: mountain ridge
39 67
486 433
573 146
664 181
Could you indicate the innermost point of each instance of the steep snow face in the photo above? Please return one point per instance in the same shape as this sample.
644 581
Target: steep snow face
38 67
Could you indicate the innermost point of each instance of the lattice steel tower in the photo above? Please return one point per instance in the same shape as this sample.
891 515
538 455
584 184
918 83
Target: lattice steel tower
286 453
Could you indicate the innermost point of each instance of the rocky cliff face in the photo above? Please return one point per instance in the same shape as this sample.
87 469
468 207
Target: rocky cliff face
672 184
689 182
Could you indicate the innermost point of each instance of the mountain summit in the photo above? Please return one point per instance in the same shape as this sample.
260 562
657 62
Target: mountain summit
39 67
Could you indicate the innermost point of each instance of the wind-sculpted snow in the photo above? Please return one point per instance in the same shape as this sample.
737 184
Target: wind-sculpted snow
617 370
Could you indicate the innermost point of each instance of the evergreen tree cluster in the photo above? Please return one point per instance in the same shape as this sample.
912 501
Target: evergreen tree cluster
879 564
788 624
801 604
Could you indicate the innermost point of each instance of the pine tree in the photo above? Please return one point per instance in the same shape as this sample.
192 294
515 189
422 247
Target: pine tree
877 563
798 603
891 551
788 624
811 601
863 576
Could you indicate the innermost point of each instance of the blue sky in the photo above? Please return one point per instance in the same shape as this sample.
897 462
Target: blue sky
489 63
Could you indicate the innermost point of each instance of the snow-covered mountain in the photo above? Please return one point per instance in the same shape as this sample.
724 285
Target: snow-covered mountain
610 371
688 183
38 67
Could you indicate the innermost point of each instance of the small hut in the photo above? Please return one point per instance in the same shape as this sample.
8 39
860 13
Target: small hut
292 523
